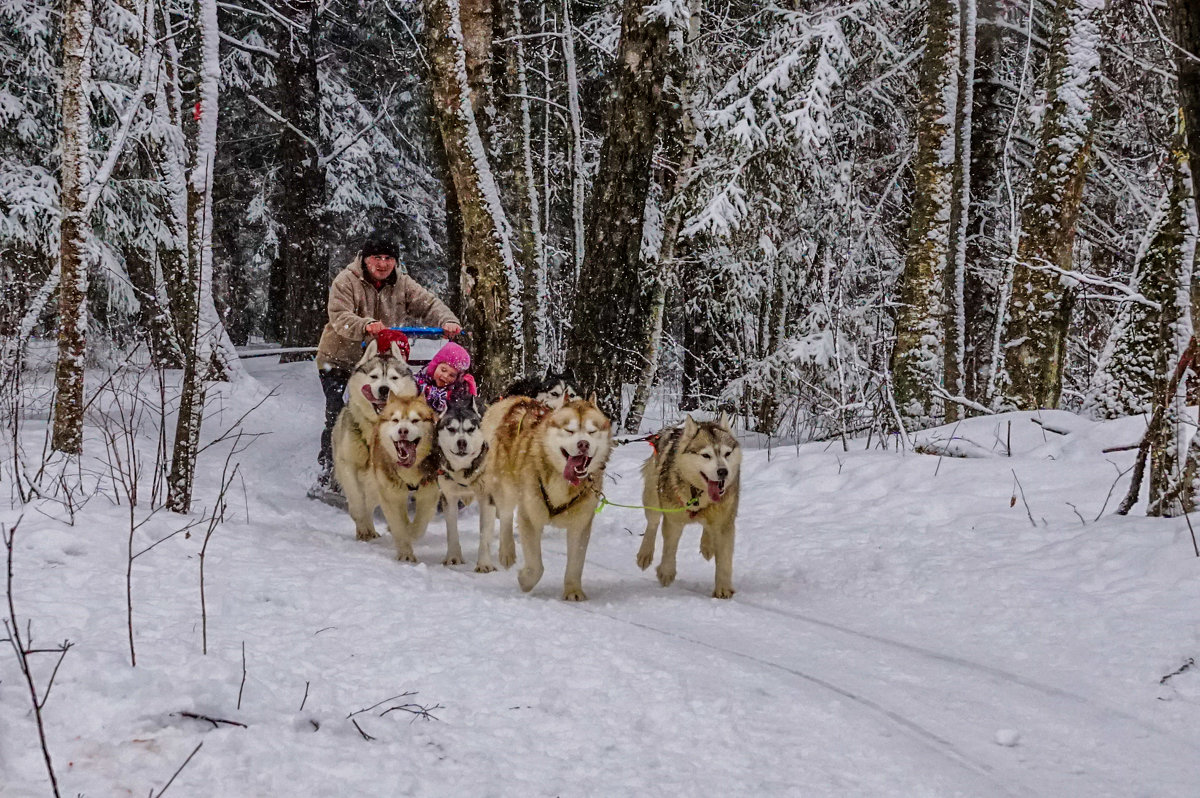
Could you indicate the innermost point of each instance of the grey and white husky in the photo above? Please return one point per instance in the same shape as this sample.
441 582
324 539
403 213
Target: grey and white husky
553 389
462 450
695 476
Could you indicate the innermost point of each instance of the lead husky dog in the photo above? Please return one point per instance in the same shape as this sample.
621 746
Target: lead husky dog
554 388
548 465
694 474
375 378
461 451
403 462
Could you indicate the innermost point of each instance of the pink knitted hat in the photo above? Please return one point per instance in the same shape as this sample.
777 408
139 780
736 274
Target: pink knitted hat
452 355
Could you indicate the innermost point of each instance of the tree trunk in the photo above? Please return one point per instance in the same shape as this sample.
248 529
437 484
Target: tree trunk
1145 343
490 284
956 315
514 165
299 198
1042 300
678 150
1186 23
611 303
73 228
201 137
919 356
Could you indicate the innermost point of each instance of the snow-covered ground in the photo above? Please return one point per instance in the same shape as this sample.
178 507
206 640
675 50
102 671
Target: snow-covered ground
901 628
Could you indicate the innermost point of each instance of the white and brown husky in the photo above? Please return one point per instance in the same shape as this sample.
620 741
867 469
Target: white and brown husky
376 378
548 465
694 475
404 464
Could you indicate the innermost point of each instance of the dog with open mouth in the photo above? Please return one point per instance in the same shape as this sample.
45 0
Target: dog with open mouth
403 464
693 477
377 377
548 465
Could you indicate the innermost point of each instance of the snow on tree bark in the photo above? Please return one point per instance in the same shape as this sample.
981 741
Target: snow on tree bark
206 327
512 152
491 287
1042 298
678 151
956 316
1146 342
611 303
1185 18
918 358
73 241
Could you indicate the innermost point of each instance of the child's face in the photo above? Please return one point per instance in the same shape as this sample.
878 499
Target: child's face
444 374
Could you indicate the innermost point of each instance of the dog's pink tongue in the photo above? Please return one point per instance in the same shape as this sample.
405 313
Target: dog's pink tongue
406 453
367 392
715 490
576 468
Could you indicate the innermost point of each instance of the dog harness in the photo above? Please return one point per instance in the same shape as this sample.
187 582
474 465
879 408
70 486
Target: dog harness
470 473
559 509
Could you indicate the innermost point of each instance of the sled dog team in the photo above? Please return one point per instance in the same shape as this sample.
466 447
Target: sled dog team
539 455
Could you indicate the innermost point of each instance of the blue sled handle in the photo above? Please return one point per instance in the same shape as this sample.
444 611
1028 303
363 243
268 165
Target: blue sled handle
421 332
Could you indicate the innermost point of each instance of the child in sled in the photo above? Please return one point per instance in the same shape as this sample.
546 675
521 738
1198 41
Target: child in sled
445 378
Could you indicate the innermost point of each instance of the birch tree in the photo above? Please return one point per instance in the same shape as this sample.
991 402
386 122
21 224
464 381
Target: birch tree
512 147
73 236
1042 289
205 327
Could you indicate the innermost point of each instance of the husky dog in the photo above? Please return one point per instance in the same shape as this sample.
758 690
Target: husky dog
694 474
548 464
375 378
554 388
461 451
403 462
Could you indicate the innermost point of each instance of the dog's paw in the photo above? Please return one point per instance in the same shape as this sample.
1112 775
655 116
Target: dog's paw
507 555
484 568
453 559
406 556
574 594
707 550
365 534
723 592
527 578
644 560
665 577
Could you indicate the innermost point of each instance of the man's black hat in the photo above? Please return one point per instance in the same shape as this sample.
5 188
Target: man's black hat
380 244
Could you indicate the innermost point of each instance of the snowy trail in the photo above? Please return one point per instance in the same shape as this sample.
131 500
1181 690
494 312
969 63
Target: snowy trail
937 698
896 617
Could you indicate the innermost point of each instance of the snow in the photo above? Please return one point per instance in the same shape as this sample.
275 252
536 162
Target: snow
901 628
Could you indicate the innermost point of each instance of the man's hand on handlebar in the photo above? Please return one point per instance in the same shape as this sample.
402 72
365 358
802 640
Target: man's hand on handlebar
451 330
376 327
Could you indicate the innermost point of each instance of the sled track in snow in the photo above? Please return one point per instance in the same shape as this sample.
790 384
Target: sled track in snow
929 739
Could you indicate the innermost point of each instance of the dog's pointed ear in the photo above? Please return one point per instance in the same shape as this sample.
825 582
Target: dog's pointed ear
689 426
592 399
371 351
569 374
394 351
723 421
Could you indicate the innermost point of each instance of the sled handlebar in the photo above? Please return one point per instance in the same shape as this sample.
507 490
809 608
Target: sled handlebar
422 332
